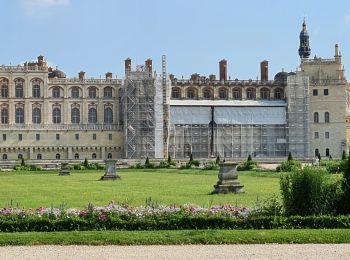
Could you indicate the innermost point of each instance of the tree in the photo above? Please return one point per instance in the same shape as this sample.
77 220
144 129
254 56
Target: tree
169 159
344 203
22 162
319 157
86 163
343 156
147 161
290 157
249 158
191 158
217 159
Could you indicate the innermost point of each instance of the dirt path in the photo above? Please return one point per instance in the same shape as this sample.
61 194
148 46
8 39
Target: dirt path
268 251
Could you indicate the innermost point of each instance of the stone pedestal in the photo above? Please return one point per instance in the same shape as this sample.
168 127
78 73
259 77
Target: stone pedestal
64 171
228 179
110 171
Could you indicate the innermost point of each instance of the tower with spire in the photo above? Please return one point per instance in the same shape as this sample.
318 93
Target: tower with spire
304 48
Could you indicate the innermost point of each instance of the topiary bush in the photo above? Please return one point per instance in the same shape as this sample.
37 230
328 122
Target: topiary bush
249 164
289 166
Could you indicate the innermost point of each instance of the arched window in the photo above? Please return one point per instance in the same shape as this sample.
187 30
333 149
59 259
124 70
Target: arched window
265 93
251 94
58 156
316 117
109 156
20 156
92 92
326 117
75 116
191 93
19 116
327 152
4 116
4 156
316 152
223 93
175 93
92 115
19 90
76 156
279 93
39 156
207 93
93 156
108 115
56 115
56 92
237 94
36 116
36 91
107 92
4 91
75 92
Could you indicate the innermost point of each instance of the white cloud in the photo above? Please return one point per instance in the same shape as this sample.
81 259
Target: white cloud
34 7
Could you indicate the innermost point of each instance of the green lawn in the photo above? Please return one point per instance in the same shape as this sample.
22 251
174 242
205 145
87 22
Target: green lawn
164 186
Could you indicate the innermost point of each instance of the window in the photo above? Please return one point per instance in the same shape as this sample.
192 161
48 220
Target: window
325 92
20 137
316 152
279 93
191 93
251 93
75 92
20 156
207 93
76 136
4 91
19 90
58 156
327 152
92 115
108 115
76 156
222 93
93 136
4 116
4 137
19 116
39 156
315 92
175 93
57 137
75 116
92 92
56 115
326 135
107 92
264 93
4 156
56 92
237 94
36 91
109 136
93 156
37 137
316 119
326 117
36 116
316 135
109 156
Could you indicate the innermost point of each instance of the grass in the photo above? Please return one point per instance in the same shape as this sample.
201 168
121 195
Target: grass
177 237
164 186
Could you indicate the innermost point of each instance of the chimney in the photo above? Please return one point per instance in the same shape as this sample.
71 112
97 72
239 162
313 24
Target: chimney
212 77
264 70
109 75
171 76
127 63
50 69
223 70
148 66
40 60
195 77
81 75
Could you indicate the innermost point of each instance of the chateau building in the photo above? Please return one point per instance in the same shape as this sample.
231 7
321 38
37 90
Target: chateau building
47 116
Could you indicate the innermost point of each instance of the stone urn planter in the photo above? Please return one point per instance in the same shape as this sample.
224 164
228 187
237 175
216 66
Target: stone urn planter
64 171
228 179
110 171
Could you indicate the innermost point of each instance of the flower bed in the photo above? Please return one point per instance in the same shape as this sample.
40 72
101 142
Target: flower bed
117 217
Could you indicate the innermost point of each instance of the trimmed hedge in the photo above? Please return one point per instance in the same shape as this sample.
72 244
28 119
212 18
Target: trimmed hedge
169 222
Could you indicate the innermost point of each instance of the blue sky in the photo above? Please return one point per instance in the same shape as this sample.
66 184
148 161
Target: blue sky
97 35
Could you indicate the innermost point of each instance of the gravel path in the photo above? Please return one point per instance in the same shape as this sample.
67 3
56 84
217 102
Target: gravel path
267 251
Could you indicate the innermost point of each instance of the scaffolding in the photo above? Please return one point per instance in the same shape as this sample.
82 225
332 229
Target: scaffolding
143 115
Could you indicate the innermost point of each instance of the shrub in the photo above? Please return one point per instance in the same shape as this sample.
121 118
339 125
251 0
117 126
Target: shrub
343 156
344 206
247 165
22 162
309 192
290 157
271 206
217 159
86 163
289 166
333 166
211 166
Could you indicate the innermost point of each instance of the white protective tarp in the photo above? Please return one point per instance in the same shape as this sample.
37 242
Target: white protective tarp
190 115
250 115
